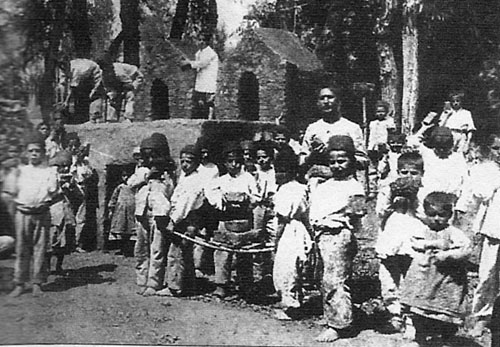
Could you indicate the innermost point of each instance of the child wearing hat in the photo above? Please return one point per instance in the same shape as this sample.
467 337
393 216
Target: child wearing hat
234 195
32 188
63 219
334 222
153 189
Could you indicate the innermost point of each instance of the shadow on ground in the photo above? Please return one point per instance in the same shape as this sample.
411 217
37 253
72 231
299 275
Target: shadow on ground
81 277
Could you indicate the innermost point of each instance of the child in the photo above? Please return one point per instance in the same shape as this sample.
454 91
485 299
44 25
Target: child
388 165
482 191
436 283
186 200
459 120
380 127
336 208
32 186
282 140
152 206
392 243
121 208
409 165
293 241
63 220
248 148
233 195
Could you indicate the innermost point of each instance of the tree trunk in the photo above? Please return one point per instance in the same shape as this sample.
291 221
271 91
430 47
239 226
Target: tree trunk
410 76
130 15
180 18
47 85
390 80
80 29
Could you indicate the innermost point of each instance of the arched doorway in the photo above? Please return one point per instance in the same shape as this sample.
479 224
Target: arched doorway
159 100
248 96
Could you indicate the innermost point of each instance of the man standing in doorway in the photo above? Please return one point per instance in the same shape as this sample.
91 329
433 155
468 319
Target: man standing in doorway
206 64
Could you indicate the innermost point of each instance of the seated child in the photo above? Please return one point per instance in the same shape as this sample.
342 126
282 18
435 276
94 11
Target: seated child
392 245
63 220
436 283
334 221
293 240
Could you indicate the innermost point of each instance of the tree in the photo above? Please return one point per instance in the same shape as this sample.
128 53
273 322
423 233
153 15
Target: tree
130 16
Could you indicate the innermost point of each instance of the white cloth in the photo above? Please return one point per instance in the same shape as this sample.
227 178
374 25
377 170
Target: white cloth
488 287
209 171
460 122
379 132
35 184
266 182
206 64
188 196
294 245
443 175
329 201
398 231
323 131
242 183
482 191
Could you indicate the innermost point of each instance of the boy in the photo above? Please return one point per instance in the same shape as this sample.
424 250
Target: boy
152 207
459 120
187 199
380 127
32 187
334 222
387 166
234 195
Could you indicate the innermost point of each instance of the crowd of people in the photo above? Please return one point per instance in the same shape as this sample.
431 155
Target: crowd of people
301 195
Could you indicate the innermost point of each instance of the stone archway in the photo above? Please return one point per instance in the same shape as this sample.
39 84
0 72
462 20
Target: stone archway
248 96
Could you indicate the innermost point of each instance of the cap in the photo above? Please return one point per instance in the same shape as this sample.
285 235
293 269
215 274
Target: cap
341 143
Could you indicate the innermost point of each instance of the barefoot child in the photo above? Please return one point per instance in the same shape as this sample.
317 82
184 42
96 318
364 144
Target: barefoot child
436 283
63 220
336 207
32 186
392 244
293 241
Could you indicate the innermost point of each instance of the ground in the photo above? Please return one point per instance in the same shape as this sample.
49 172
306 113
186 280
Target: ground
96 302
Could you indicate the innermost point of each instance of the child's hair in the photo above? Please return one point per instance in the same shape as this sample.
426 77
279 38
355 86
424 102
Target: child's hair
265 146
440 200
441 137
193 150
406 189
382 103
281 129
342 143
456 93
411 158
232 147
396 138
286 161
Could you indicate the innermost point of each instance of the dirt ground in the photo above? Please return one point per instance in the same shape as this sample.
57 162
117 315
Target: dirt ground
95 302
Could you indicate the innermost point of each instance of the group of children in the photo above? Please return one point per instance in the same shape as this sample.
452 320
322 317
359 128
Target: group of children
261 193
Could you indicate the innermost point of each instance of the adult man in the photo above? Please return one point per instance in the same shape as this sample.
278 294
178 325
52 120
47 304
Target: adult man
331 123
206 64
85 77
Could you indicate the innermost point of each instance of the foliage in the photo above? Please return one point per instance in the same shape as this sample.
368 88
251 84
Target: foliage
100 14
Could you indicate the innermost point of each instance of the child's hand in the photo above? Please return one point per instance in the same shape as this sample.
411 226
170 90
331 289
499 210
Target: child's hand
441 256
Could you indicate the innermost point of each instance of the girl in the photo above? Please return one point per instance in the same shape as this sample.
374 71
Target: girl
293 241
436 283
391 246
334 222
121 212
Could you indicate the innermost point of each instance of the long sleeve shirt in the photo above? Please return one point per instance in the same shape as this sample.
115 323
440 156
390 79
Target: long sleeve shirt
243 183
188 196
129 75
85 70
206 64
379 132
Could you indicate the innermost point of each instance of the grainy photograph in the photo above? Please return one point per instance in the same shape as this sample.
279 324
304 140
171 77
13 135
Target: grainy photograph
250 172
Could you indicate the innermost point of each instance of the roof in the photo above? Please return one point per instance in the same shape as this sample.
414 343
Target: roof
288 47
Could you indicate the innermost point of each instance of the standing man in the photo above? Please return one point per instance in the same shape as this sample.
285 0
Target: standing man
85 77
331 123
206 64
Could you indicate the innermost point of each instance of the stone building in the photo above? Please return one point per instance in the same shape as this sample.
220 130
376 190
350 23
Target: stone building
270 73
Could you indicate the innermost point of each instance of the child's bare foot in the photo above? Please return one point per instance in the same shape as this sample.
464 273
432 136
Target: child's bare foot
16 292
281 315
329 335
37 290
149 292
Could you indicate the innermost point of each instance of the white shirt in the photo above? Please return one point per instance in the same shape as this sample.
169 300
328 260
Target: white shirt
84 69
35 184
188 196
379 132
242 183
323 131
266 182
460 122
206 64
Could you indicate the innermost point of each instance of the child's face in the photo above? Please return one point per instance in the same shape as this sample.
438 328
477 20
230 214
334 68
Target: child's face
396 146
281 140
443 151
411 171
380 112
456 102
12 152
247 156
205 155
263 159
233 164
339 163
495 150
35 153
44 130
73 146
436 217
188 163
